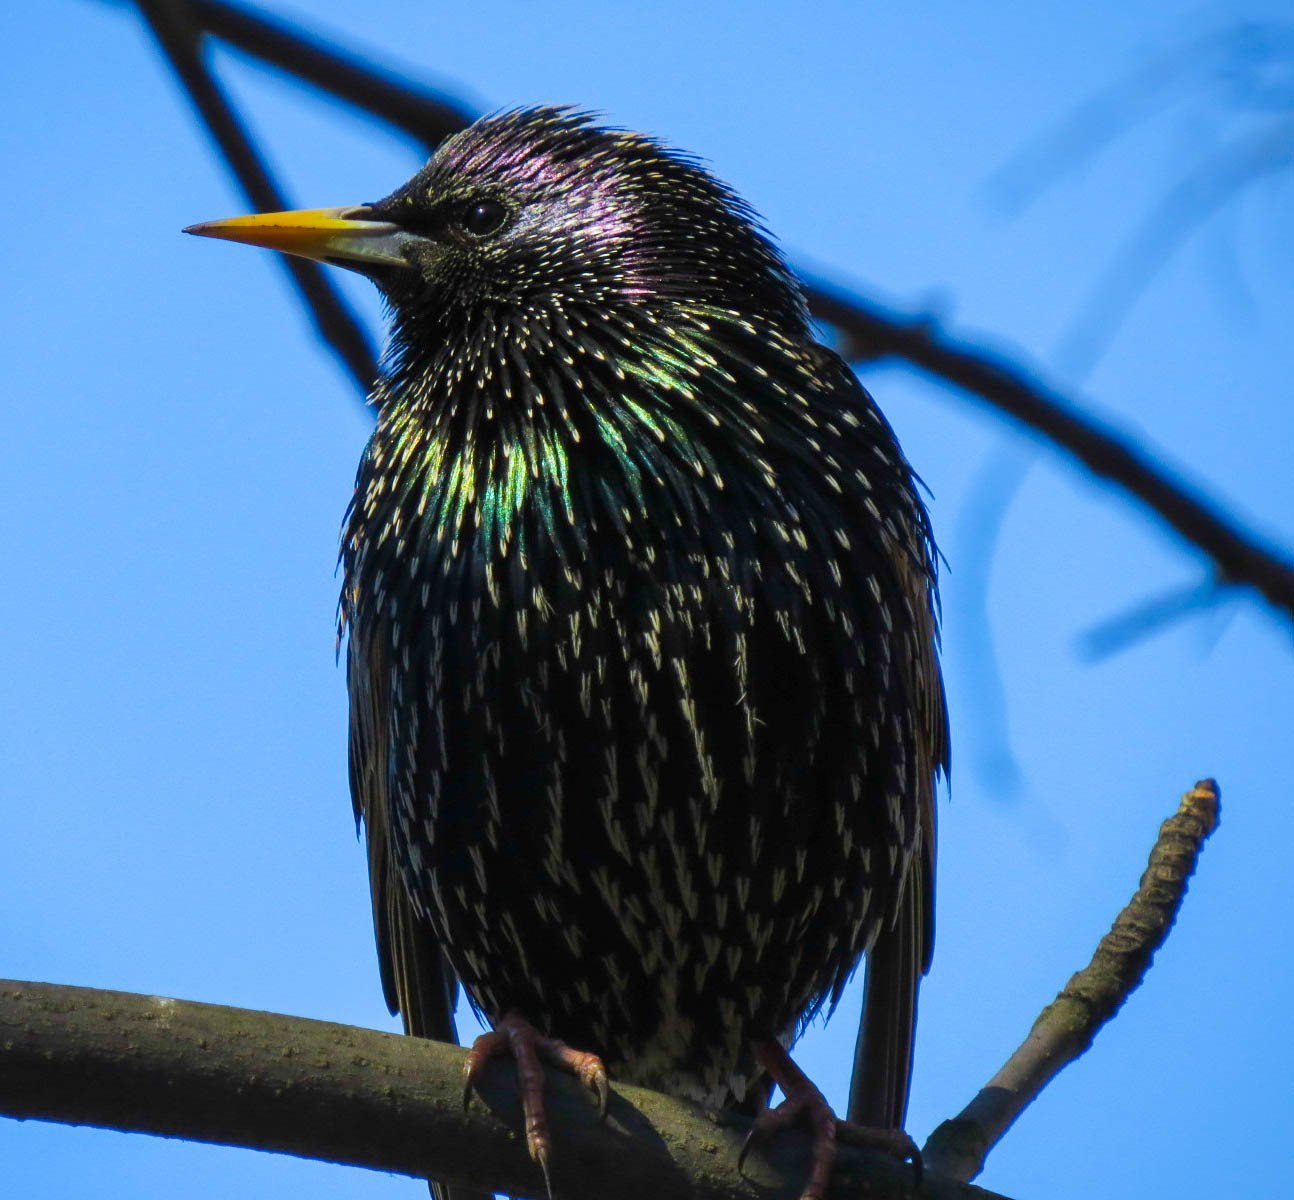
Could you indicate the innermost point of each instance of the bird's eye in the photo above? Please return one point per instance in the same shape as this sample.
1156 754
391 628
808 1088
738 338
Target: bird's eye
485 217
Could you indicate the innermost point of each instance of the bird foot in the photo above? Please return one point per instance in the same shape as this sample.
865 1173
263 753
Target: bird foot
804 1103
530 1049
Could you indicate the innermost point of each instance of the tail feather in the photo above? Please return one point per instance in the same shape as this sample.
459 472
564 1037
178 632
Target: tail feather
878 1092
425 990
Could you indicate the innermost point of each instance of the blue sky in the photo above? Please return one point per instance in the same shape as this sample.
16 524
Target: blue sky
178 452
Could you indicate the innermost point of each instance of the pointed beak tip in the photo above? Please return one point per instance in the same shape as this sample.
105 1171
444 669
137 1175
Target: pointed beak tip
343 236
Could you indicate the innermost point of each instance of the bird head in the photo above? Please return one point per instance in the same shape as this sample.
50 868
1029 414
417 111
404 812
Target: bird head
540 209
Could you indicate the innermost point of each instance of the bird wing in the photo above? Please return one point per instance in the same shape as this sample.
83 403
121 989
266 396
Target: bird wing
417 980
878 1090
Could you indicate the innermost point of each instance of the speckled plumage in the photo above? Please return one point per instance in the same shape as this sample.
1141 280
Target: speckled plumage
640 605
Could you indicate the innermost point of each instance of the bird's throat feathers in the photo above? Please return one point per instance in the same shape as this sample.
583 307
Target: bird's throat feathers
557 424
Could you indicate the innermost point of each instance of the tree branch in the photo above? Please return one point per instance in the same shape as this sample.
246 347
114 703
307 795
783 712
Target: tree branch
427 116
1066 1027
1104 450
355 1096
181 41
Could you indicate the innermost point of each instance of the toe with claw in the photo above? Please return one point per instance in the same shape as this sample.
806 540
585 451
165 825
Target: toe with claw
513 1035
805 1104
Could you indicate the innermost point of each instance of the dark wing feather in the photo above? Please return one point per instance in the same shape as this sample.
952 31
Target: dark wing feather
878 1091
416 979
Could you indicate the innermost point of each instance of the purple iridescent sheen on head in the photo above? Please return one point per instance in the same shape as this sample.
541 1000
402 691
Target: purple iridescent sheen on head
598 214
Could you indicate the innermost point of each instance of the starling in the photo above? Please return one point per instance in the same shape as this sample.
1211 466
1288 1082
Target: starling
641 622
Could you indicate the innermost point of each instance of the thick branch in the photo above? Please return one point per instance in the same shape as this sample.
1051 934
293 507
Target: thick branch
1066 1027
354 1096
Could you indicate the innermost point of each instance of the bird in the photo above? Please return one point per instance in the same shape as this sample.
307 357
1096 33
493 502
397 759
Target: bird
641 624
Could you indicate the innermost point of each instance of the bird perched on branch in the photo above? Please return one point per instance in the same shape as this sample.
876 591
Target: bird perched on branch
640 600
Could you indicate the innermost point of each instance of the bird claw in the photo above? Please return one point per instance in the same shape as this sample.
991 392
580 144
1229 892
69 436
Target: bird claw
602 1087
805 1103
893 1142
530 1049
586 1067
541 1157
485 1047
747 1144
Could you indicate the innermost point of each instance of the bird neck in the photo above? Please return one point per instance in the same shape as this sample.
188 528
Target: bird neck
559 435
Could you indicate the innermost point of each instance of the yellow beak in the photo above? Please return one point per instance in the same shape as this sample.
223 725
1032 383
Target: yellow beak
339 235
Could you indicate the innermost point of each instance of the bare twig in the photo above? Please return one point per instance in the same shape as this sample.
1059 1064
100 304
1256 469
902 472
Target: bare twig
181 41
1230 55
1247 65
368 1099
1066 1027
1198 195
1149 616
428 117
